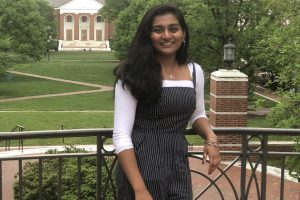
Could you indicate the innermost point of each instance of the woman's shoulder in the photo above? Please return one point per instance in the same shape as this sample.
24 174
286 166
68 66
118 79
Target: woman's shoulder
192 65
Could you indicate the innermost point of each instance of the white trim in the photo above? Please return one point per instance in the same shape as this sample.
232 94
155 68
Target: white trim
228 79
81 6
228 113
228 97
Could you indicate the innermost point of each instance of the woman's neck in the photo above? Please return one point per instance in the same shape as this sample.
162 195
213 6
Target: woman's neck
168 62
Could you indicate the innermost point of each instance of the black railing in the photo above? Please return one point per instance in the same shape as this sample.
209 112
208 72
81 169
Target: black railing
251 181
7 141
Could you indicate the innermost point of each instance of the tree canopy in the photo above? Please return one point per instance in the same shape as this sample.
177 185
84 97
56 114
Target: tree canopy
278 52
112 8
24 29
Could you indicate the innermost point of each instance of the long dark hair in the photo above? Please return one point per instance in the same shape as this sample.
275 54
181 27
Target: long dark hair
140 71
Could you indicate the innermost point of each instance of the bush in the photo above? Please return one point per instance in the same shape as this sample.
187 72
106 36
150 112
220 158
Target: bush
293 163
286 115
69 178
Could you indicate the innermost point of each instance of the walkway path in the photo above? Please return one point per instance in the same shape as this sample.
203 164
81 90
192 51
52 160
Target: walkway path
263 92
58 79
101 88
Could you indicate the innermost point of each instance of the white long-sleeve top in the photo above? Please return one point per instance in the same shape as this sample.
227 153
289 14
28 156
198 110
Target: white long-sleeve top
125 107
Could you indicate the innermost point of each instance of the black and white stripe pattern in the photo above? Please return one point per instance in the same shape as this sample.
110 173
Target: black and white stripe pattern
161 147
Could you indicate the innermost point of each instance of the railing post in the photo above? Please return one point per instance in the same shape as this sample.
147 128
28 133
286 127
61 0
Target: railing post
243 167
1 180
59 192
282 177
79 180
40 177
99 168
264 167
20 180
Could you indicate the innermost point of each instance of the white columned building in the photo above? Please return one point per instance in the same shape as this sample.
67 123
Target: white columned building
79 25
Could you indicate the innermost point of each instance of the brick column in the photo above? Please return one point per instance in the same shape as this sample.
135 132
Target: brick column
228 104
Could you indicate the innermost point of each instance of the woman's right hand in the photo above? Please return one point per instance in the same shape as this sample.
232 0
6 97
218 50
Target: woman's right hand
143 195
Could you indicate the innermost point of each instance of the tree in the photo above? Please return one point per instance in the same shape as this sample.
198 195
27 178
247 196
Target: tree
112 8
24 29
277 52
286 114
126 25
47 13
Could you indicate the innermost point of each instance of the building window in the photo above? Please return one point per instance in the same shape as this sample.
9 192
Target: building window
69 18
84 19
99 19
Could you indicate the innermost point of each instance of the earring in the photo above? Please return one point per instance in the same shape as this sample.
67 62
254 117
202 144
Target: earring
183 42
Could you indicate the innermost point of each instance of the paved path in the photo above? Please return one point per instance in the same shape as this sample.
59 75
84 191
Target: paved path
263 92
100 88
58 79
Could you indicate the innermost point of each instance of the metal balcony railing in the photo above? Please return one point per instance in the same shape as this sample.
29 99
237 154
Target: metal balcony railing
248 161
7 142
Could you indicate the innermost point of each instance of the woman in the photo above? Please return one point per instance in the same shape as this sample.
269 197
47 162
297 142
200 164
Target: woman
157 93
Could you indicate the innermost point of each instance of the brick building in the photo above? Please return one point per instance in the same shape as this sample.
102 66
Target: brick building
79 26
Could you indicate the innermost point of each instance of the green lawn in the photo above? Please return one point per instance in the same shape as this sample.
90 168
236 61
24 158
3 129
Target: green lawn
80 56
33 121
85 71
21 86
102 101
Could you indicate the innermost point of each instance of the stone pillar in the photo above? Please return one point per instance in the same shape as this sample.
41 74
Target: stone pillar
228 104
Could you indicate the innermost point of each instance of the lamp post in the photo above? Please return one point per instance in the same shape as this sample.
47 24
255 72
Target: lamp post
49 46
229 50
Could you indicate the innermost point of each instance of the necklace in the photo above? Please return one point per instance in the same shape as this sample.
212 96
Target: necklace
171 76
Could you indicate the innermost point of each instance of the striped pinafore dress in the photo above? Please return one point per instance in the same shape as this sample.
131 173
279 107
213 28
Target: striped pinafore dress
160 146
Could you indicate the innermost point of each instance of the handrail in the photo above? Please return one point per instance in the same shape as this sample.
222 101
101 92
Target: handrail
7 141
244 156
108 132
21 128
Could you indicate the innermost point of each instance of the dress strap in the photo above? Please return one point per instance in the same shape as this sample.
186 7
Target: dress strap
194 76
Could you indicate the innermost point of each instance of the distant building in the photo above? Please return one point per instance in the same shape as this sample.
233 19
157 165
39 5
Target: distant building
80 27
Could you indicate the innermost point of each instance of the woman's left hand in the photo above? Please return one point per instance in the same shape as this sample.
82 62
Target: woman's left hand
213 153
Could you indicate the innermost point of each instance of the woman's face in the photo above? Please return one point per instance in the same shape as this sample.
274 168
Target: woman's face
167 35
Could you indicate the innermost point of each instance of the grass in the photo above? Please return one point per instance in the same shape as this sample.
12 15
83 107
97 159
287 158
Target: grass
81 56
102 101
20 86
91 72
33 121
258 121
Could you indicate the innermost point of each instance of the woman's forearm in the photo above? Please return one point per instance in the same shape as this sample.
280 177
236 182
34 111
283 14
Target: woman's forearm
203 128
129 165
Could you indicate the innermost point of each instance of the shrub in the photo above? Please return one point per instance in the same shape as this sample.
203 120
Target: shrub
287 115
69 178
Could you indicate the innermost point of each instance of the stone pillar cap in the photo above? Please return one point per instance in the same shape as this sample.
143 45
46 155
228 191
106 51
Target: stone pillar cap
228 73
